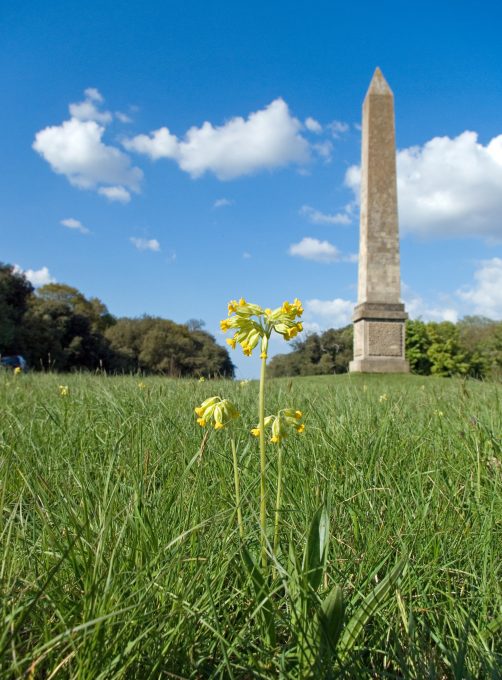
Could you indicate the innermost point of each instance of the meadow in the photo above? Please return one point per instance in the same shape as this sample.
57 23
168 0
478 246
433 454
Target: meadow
120 548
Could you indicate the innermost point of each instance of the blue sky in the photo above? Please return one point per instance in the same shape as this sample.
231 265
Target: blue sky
167 157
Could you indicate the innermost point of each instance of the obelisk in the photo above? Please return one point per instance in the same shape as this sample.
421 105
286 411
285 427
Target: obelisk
379 316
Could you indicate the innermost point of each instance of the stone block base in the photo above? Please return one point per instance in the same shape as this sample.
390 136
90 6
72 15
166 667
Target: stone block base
379 330
379 365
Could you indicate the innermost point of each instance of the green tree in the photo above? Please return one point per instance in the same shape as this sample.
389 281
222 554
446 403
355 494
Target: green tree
93 309
157 345
417 345
445 353
15 293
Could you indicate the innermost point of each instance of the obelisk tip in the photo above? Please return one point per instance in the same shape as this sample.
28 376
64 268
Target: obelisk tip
378 84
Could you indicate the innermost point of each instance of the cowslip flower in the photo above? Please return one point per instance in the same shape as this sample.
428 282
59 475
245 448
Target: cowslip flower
64 390
382 398
252 324
288 420
18 370
219 411
141 385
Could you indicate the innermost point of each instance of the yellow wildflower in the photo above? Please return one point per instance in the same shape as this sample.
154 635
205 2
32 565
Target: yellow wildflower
220 411
18 370
382 398
64 390
252 324
141 385
282 424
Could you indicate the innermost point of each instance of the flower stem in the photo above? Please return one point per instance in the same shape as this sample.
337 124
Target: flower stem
278 500
237 490
263 464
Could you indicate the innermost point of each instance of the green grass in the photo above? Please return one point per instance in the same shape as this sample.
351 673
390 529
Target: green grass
120 553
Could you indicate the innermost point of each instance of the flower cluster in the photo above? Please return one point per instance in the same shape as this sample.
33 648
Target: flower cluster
18 370
219 410
285 422
251 323
64 390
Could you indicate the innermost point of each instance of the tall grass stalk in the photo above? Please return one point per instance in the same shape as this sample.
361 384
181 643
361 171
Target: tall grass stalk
263 466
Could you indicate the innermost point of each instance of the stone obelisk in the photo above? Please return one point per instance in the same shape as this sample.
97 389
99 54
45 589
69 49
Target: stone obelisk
379 315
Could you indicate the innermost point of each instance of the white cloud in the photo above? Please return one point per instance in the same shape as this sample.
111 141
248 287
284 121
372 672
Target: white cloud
317 217
222 202
246 255
324 149
313 249
329 313
75 149
485 295
448 187
123 117
117 193
313 125
94 94
337 128
159 144
266 139
145 244
72 223
418 308
87 110
37 277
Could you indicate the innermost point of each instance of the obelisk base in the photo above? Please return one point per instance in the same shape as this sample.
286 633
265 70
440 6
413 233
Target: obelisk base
379 331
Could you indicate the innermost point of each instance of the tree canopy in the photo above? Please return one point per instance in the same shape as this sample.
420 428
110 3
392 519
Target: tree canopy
56 327
472 347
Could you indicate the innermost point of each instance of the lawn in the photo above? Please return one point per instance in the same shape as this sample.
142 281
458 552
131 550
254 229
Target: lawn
120 548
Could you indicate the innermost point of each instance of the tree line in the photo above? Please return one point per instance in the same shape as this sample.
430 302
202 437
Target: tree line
57 328
472 347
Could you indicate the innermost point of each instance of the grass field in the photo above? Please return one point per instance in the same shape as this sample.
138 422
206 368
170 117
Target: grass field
120 551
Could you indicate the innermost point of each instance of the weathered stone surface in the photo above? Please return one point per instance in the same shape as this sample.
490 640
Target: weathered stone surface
379 315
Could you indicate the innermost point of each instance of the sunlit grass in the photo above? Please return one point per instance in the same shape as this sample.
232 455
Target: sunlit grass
120 545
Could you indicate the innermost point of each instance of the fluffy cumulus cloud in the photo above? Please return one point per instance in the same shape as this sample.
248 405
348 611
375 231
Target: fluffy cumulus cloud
318 217
88 109
418 308
37 277
266 139
448 187
316 250
485 296
75 149
322 314
313 125
118 193
72 223
319 251
145 244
